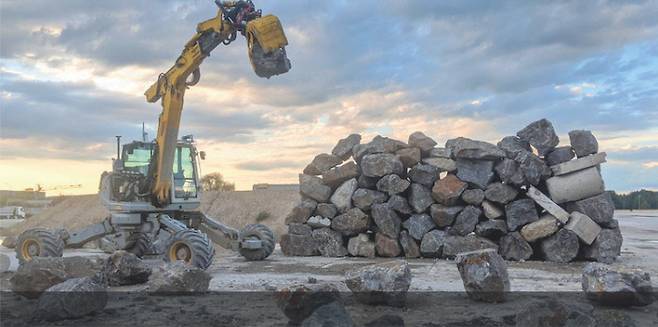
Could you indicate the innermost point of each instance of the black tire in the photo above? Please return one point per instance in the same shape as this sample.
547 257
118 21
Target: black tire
38 242
263 233
192 247
138 244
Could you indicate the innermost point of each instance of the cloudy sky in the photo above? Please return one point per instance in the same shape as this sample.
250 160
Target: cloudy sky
74 73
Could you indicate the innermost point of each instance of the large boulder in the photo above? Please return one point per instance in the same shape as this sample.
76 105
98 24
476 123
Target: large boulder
484 275
381 164
466 220
424 174
384 283
514 247
399 204
329 242
444 216
321 163
343 148
559 155
617 287
178 278
491 229
454 245
392 184
605 248
409 245
387 220
432 244
361 246
546 226
420 198
560 247
478 173
298 302
342 197
491 211
387 246
421 141
500 193
473 196
331 314
599 208
336 176
520 213
441 164
319 222
35 276
541 135
74 298
125 268
464 148
583 142
312 187
447 190
353 222
534 169
301 212
299 244
364 198
418 225
513 146
509 172
409 156
326 210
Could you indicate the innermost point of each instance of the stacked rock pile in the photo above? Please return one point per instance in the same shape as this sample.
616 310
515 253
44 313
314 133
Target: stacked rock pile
525 196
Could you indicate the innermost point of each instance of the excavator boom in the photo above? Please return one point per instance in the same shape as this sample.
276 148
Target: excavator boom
266 43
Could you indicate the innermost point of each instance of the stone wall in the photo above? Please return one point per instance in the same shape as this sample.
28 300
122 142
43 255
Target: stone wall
526 196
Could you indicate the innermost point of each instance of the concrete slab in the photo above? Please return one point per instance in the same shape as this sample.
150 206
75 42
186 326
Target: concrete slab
575 186
546 203
579 164
586 229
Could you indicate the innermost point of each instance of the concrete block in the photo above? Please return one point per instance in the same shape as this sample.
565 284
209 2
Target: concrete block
575 186
578 164
548 205
586 229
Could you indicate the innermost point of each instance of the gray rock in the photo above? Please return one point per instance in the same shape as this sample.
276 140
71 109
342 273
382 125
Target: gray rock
421 141
491 229
432 244
72 299
321 163
606 248
409 156
484 275
368 182
302 245
513 146
599 207
519 213
342 198
379 165
442 164
418 225
491 211
534 169
298 302
476 172
473 196
319 222
399 204
444 216
500 193
392 184
312 187
301 212
464 148
447 190
409 246
125 268
541 135
420 198
385 283
364 198
343 148
352 222
560 247
299 229
9 242
454 245
386 246
440 153
466 220
330 242
331 314
514 247
35 276
583 142
386 219
509 172
617 287
361 246
327 210
553 313
336 176
559 155
386 145
424 174
177 277
546 226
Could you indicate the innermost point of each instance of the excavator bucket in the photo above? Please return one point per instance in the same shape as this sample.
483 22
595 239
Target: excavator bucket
267 41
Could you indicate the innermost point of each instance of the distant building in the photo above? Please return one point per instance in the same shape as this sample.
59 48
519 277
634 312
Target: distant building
32 201
277 187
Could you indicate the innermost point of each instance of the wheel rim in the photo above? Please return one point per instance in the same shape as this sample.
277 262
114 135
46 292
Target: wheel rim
30 248
180 251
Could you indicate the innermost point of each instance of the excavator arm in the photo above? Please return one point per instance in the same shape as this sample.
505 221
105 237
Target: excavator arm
266 43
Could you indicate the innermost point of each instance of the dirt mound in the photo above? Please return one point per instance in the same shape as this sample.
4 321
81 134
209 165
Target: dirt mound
235 209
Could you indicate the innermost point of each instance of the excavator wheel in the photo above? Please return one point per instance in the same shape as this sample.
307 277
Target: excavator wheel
262 233
38 242
139 244
192 247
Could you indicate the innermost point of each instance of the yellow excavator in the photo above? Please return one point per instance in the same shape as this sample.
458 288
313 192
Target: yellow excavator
153 191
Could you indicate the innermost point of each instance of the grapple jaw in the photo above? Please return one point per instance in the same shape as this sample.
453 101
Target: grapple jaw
267 41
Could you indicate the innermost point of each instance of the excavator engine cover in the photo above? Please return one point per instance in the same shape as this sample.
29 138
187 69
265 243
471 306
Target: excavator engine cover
267 43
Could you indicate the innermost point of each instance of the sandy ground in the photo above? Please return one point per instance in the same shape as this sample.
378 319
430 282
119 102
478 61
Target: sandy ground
241 292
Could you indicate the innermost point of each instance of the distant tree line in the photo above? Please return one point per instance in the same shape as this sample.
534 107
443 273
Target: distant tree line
642 199
216 182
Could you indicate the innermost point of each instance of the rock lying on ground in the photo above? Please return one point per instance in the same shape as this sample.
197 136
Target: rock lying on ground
35 276
484 274
384 283
616 287
298 302
525 195
9 242
178 278
125 268
71 299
